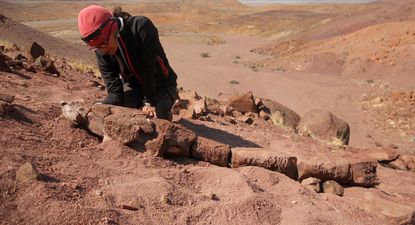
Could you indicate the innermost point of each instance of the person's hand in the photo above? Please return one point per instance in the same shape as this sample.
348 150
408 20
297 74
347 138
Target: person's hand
149 110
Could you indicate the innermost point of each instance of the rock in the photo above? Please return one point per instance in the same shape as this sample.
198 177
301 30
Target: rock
383 155
332 187
128 130
96 118
246 119
231 120
3 65
179 105
172 140
27 172
379 207
264 115
398 165
272 160
187 113
15 64
36 50
190 95
31 69
258 102
364 173
211 151
252 115
324 168
243 104
404 162
20 57
129 207
281 115
205 118
48 65
409 161
324 126
214 106
74 112
131 126
214 197
312 183
227 111
7 98
199 107
5 107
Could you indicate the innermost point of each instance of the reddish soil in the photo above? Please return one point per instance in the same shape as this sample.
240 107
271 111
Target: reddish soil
354 60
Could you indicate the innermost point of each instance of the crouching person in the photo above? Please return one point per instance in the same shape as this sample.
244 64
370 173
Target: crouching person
131 60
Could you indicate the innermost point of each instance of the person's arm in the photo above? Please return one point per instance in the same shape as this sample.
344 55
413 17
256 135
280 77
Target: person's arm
149 49
110 74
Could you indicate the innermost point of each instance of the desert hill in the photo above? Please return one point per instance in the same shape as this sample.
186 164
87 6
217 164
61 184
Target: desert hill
24 36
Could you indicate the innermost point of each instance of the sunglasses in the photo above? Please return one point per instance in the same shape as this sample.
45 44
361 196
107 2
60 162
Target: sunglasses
96 34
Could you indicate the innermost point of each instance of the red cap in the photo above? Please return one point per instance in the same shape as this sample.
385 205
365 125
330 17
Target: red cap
90 19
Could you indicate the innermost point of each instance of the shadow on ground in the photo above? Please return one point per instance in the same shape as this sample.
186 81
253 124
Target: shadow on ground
218 135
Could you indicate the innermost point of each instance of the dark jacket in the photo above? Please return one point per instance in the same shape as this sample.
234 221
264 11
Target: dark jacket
140 60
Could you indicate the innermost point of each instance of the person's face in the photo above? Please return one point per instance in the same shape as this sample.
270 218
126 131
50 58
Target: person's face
110 44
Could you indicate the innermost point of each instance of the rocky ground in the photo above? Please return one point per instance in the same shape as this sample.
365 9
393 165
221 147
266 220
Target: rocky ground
235 157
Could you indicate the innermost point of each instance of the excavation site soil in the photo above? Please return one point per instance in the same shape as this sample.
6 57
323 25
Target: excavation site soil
288 114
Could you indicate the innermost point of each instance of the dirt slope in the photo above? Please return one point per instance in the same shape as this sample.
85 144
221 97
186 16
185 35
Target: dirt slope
24 36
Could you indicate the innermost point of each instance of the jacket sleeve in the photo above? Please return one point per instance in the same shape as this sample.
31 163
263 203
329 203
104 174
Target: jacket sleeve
110 74
149 46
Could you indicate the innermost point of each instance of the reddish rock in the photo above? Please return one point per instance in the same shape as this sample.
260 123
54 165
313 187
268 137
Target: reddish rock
96 118
324 168
246 119
189 94
172 140
393 211
214 106
281 115
364 173
131 126
312 184
404 162
31 69
74 112
258 102
275 161
179 105
383 154
3 65
211 151
199 107
20 57
324 126
128 130
36 50
243 104
264 115
187 113
48 65
332 187
27 172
